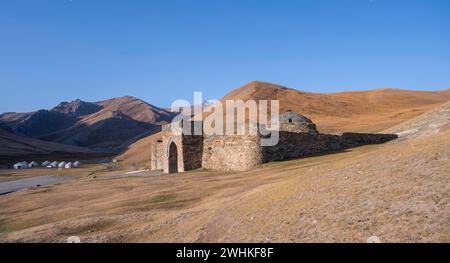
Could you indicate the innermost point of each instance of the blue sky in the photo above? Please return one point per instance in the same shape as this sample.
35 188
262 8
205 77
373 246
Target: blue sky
60 50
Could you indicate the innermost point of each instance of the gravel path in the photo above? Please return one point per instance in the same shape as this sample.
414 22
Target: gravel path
12 186
143 173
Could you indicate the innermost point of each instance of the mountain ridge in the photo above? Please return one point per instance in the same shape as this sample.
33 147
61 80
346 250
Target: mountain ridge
334 112
102 125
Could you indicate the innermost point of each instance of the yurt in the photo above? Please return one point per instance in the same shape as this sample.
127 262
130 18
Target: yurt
68 165
54 164
46 164
76 164
17 166
62 164
21 165
33 164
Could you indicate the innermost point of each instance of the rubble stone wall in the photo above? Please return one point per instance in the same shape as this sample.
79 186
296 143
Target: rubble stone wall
192 151
294 145
232 153
156 156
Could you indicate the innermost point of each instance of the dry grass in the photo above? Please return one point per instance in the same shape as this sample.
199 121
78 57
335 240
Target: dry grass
398 192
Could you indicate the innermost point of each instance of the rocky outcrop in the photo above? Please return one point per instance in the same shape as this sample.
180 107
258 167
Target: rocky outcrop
77 108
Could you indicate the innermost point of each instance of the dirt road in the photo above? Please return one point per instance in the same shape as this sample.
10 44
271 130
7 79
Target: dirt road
12 186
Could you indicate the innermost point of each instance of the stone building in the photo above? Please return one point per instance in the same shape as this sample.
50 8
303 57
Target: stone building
298 137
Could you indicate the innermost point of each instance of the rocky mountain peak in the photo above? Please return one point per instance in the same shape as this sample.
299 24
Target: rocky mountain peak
77 108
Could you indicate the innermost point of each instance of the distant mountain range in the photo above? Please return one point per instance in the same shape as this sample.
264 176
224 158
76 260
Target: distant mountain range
99 126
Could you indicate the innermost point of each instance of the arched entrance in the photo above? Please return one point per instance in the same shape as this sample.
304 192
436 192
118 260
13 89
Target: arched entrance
173 158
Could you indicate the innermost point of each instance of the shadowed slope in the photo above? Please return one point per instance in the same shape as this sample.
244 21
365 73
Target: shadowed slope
103 125
12 145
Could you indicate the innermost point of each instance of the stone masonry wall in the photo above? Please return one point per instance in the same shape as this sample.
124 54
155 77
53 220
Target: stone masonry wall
294 145
156 157
357 139
231 153
192 151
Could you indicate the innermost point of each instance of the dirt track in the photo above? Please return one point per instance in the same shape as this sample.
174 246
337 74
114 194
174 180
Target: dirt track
16 185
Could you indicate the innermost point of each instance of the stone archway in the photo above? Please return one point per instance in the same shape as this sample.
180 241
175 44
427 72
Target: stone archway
173 154
173 158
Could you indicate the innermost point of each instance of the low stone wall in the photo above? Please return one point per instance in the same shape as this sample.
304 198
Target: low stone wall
357 139
293 145
232 153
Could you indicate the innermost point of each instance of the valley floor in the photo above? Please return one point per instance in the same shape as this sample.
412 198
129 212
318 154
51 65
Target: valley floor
398 191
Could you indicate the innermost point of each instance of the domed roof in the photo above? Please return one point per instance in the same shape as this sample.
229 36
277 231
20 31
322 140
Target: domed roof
293 122
294 117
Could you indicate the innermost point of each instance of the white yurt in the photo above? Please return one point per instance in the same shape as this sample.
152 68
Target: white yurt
16 166
62 164
68 165
54 164
76 164
33 164
46 164
21 165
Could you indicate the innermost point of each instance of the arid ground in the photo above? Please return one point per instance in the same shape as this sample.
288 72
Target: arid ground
398 191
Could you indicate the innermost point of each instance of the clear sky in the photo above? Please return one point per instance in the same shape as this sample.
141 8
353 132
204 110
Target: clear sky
60 50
